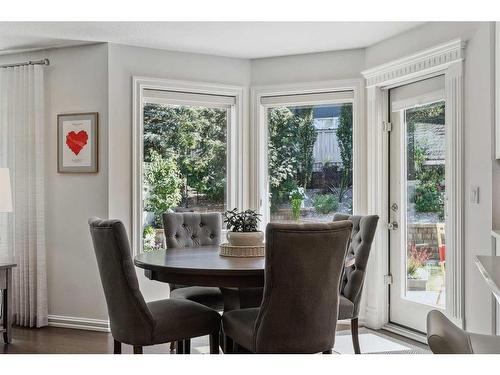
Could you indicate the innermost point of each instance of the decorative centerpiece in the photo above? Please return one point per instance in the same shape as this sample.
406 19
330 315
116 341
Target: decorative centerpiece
244 240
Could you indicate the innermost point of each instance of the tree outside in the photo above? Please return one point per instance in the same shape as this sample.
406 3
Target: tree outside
184 161
310 161
309 153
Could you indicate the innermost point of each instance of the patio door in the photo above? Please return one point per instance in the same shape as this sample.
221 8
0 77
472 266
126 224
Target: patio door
417 196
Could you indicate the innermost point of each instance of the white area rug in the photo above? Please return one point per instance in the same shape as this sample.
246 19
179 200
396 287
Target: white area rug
371 342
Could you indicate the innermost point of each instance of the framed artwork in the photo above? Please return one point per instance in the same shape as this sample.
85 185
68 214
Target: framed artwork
77 143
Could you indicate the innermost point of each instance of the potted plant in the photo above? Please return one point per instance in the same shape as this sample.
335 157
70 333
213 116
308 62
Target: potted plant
243 228
297 196
416 275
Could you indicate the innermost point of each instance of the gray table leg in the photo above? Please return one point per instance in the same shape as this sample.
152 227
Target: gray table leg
241 298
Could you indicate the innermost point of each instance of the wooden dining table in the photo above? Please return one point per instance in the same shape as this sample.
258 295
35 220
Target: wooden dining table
240 279
203 266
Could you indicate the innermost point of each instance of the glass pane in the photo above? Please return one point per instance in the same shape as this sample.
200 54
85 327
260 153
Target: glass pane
310 161
425 192
184 164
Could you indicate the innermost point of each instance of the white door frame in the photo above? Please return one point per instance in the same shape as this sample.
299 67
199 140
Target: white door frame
258 123
444 59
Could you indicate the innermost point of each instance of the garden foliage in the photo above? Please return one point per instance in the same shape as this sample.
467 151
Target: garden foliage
192 138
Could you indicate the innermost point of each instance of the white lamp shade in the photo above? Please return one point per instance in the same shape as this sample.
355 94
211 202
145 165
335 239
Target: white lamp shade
5 191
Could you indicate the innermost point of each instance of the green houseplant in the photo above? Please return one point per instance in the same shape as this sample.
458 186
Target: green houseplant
243 228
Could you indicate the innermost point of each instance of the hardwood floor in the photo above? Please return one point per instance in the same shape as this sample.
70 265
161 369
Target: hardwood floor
52 340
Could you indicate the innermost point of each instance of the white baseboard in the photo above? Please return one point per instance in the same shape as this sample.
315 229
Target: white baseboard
79 323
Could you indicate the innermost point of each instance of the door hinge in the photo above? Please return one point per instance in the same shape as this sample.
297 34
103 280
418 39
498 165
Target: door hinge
387 126
387 279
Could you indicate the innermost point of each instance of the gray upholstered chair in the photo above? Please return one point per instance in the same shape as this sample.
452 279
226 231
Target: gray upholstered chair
185 228
351 285
298 313
190 229
132 320
444 337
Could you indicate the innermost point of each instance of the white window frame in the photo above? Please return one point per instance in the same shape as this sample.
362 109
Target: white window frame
235 163
259 131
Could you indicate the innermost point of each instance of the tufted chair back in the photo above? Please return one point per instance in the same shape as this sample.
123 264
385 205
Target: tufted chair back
130 319
192 229
363 231
299 309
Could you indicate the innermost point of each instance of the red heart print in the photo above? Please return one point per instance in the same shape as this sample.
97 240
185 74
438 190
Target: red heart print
77 141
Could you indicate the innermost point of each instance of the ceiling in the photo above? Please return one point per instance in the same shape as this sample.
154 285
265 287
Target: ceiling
233 39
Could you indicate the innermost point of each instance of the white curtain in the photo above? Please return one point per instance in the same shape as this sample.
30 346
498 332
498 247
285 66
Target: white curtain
22 233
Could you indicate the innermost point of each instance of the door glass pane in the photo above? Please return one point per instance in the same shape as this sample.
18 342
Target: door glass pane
425 195
310 161
184 164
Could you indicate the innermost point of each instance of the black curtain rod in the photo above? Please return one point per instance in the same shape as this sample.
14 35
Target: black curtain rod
38 62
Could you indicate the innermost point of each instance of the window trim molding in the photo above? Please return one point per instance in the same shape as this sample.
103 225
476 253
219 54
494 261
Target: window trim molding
236 167
444 59
258 169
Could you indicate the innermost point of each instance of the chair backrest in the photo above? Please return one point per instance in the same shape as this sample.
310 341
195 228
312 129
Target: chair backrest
363 231
192 229
444 337
304 262
130 319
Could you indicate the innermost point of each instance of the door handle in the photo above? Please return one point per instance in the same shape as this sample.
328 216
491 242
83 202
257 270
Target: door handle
393 225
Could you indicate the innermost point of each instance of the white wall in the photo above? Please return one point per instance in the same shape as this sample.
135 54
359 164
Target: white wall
308 68
126 62
478 100
75 81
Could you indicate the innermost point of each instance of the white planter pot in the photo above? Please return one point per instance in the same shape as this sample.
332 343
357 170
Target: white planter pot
245 238
416 284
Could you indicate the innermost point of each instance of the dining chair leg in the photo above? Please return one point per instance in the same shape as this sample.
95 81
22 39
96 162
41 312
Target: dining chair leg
355 336
214 343
328 351
172 346
228 345
238 349
222 340
187 346
137 349
179 347
117 347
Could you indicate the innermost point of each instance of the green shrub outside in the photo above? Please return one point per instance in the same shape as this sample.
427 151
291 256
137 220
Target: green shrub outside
325 203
